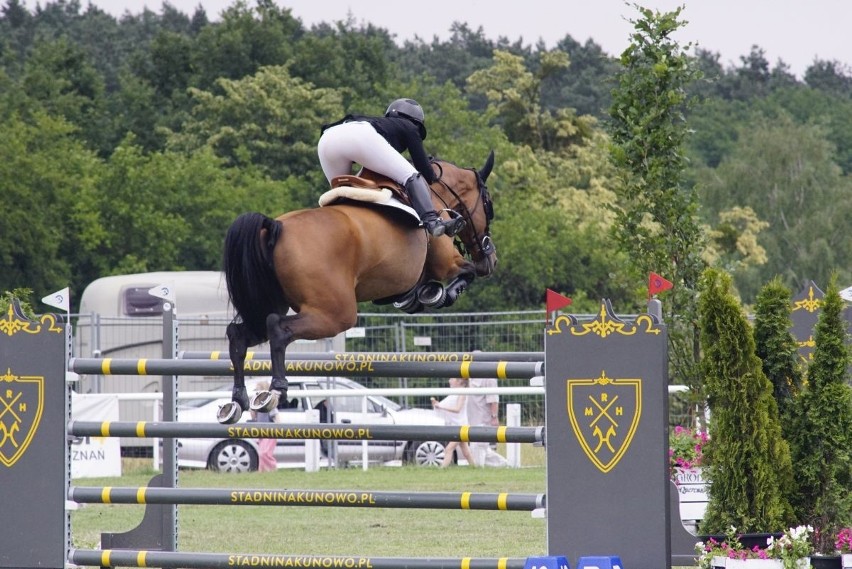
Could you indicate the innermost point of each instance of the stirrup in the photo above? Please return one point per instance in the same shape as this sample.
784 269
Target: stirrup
454 225
437 226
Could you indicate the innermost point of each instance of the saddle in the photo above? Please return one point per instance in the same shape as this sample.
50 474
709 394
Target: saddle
368 187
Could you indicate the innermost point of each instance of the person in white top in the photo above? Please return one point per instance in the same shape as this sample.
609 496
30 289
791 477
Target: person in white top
482 411
453 409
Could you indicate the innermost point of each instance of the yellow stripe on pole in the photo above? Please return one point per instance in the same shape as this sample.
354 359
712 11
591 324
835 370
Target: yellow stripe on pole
501 500
140 498
465 563
105 558
502 563
465 501
105 429
105 495
464 433
501 434
105 366
140 429
501 370
214 355
140 366
140 559
249 356
464 370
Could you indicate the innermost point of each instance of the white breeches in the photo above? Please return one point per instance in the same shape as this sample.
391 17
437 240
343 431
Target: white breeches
342 145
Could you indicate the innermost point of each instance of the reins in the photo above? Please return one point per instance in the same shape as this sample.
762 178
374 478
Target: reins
481 243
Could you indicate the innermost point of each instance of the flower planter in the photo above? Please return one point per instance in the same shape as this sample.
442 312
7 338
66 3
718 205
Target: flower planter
803 563
825 562
748 540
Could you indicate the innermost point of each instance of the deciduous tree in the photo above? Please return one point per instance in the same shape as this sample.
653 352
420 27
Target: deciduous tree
656 213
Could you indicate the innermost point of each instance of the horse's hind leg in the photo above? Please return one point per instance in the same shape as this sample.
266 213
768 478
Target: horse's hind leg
280 336
239 339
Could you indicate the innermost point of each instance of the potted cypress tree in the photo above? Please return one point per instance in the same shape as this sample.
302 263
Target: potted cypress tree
747 461
777 348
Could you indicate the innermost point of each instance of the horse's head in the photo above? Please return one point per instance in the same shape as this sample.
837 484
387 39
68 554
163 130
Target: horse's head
464 191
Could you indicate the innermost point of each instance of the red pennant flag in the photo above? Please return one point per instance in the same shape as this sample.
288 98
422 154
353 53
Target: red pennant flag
656 284
555 301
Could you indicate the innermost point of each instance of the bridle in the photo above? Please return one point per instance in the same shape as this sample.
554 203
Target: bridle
480 245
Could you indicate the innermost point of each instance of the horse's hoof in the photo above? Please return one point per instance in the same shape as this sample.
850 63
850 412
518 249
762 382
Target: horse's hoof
453 291
409 303
432 294
265 401
229 413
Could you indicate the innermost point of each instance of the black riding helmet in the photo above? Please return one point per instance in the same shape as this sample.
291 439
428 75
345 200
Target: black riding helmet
410 109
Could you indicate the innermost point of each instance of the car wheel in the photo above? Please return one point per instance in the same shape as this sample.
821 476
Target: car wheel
425 453
233 456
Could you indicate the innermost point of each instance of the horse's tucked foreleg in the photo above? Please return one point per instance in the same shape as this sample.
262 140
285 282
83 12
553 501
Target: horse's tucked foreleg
280 336
456 287
238 342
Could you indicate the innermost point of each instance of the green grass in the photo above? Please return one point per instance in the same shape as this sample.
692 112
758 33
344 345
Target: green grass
372 532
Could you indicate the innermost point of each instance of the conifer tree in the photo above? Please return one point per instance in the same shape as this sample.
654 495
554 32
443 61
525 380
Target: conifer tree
822 440
747 460
777 348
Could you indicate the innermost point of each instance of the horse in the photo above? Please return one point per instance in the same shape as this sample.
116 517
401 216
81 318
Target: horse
302 275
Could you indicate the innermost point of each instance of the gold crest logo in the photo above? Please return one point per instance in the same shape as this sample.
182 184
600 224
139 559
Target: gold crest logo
604 414
21 403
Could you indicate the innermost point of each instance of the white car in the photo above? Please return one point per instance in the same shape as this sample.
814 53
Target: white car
241 455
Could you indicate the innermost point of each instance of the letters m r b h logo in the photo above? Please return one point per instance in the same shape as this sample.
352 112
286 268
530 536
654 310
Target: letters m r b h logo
21 404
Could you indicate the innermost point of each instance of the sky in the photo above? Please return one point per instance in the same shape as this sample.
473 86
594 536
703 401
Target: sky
795 31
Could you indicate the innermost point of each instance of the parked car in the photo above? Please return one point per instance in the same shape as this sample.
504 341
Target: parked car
241 455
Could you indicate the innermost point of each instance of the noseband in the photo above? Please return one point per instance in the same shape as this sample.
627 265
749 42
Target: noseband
481 245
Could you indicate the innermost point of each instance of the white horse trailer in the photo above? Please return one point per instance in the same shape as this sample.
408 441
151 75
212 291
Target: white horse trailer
119 319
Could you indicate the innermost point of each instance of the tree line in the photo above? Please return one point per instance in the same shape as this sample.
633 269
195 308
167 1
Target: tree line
130 144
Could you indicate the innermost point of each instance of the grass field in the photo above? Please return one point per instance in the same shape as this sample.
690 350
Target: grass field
372 532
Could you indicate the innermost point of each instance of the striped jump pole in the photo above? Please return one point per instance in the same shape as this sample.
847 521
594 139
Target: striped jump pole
145 429
413 357
189 560
334 498
467 369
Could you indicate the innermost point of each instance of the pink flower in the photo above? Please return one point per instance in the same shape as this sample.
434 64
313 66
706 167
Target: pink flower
844 540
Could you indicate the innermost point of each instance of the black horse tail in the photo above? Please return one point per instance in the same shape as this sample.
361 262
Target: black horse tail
249 269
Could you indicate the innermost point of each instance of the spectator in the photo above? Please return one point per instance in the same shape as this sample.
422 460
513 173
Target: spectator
453 408
483 411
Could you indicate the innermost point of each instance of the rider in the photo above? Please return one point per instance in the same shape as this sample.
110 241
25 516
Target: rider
377 143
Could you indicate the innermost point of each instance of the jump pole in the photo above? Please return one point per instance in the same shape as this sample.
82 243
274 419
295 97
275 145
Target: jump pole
186 560
468 369
381 356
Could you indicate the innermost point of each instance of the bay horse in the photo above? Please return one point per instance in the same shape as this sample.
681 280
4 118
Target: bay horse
321 262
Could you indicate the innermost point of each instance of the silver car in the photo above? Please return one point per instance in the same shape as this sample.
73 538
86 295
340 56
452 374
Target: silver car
241 455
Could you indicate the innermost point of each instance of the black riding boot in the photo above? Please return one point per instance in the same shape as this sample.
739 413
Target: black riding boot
418 192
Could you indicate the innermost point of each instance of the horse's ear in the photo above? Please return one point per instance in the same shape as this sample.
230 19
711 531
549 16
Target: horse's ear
489 165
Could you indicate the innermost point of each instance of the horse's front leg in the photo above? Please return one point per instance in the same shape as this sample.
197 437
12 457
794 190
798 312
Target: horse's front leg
238 343
280 336
457 286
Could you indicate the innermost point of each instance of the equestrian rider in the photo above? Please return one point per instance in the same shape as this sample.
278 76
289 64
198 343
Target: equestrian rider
377 143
